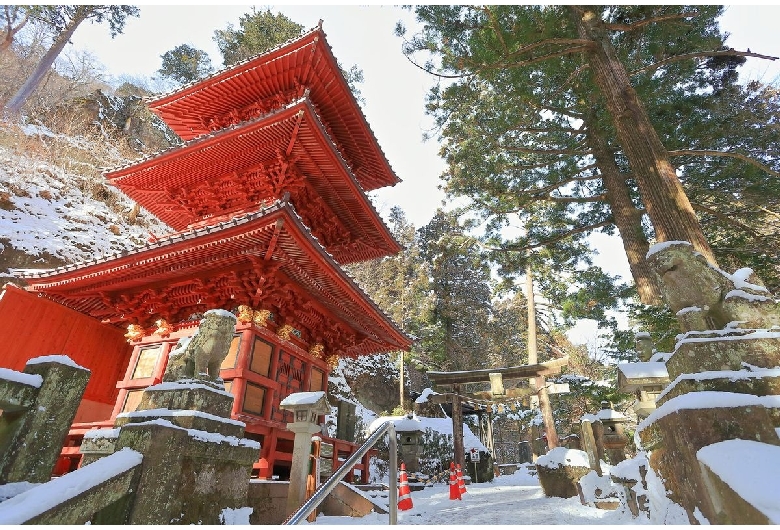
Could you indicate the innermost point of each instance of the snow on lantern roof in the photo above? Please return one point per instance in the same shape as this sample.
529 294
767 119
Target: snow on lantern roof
314 401
561 456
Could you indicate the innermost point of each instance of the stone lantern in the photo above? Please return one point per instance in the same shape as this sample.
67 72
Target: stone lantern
306 407
614 437
410 430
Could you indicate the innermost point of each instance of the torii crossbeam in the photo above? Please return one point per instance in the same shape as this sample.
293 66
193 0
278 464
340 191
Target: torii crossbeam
495 377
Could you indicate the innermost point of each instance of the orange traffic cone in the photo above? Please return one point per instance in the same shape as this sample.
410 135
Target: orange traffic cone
404 493
454 488
461 482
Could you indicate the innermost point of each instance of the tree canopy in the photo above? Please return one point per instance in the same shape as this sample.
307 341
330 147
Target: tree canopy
258 32
185 64
531 138
63 22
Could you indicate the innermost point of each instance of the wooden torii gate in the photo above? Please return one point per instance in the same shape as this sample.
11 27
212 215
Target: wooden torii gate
496 376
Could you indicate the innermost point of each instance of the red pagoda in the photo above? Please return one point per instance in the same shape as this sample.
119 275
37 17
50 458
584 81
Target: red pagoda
267 197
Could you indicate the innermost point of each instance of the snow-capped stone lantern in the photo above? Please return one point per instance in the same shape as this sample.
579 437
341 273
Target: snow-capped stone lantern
410 430
306 407
615 439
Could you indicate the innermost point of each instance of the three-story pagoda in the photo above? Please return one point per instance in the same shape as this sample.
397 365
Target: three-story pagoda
267 199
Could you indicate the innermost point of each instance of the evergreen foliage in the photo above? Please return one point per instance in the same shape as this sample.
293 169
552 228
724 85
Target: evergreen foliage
532 143
258 32
185 64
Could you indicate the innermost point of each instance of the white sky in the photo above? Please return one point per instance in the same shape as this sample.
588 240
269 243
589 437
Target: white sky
394 89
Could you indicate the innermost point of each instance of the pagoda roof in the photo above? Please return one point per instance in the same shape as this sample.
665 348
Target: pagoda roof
269 251
235 169
305 63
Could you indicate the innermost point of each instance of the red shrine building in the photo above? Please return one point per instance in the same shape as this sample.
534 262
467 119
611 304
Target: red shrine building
267 199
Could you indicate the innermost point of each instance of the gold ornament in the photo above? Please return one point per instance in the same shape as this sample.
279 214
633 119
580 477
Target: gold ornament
261 317
134 333
285 331
332 360
316 351
163 328
245 314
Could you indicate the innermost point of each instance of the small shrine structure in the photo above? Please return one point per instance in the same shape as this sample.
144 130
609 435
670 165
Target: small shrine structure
266 199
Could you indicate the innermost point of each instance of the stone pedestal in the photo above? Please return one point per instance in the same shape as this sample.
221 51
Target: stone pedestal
196 464
36 417
560 470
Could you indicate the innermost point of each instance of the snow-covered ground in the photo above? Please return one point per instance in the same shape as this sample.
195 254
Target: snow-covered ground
510 499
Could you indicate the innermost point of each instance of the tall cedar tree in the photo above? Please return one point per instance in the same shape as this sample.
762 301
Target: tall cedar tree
63 21
522 123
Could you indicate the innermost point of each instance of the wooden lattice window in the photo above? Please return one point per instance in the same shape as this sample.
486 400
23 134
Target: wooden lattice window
132 400
261 357
147 360
230 359
317 379
254 396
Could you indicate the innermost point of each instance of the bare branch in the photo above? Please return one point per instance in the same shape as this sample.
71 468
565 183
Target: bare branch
641 23
740 156
556 239
686 56
726 218
546 151
496 28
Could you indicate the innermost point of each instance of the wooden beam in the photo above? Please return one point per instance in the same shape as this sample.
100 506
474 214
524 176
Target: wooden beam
514 372
482 398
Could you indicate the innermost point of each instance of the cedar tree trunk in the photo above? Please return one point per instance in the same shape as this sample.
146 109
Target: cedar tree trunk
628 219
667 205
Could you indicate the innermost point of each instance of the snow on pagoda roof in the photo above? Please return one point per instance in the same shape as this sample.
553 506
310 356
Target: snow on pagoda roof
300 64
271 239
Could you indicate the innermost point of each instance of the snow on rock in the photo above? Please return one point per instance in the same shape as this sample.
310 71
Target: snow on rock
629 469
642 370
425 395
740 279
33 380
101 433
658 247
663 511
62 207
168 413
561 456
14 488
61 359
235 516
595 487
189 384
739 293
704 400
750 469
37 500
731 375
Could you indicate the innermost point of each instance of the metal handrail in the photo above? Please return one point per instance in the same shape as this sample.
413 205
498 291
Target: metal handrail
329 485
